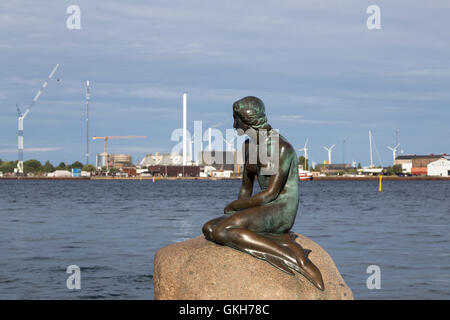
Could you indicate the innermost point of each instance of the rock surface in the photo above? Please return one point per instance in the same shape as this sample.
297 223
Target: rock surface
199 269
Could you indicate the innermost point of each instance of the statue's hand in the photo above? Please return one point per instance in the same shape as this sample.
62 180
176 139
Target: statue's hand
229 208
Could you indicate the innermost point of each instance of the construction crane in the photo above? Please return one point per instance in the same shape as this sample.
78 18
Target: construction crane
106 138
21 117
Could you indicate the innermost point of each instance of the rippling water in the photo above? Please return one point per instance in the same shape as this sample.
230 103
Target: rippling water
112 229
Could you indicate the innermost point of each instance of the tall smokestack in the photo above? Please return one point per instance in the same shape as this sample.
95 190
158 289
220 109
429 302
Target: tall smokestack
209 139
184 128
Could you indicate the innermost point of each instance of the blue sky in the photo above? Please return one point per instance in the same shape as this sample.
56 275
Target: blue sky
321 73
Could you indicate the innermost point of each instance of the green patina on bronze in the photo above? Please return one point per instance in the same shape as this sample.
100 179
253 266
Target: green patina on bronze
260 224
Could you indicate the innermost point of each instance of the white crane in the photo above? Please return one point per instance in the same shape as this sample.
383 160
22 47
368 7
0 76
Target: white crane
22 117
330 149
394 152
88 97
305 150
184 129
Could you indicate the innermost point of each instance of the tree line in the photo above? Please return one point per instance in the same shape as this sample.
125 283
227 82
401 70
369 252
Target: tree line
37 168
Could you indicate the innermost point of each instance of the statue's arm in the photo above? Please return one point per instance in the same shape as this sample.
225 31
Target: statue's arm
276 184
248 179
247 185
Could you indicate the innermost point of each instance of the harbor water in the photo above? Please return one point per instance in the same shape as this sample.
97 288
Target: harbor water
112 229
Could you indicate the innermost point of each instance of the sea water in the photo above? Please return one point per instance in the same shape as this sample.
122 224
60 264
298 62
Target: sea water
112 229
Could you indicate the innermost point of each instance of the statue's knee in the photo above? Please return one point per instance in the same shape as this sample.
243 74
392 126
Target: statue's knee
220 235
207 230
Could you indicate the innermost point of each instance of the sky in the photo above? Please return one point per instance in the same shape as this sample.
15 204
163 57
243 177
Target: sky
322 74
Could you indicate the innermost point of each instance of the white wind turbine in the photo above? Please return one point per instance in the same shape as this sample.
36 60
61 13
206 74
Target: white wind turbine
305 150
330 149
191 142
394 152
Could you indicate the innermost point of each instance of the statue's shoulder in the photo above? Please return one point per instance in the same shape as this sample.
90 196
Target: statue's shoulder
286 148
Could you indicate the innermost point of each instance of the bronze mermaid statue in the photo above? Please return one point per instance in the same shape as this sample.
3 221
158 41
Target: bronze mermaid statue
260 224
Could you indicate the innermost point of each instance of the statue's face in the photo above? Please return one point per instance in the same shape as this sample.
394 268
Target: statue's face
238 124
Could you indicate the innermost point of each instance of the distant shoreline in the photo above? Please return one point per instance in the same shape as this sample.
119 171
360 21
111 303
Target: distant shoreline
117 178
330 178
385 178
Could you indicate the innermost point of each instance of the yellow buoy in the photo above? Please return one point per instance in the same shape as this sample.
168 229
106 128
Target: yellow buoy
379 187
153 179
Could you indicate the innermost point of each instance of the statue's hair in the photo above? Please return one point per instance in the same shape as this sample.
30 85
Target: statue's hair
251 111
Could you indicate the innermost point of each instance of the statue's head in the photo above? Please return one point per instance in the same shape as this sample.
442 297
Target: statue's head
250 112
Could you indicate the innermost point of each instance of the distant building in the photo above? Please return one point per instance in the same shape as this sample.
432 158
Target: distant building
167 165
130 171
222 174
334 168
371 171
439 168
159 159
119 160
115 160
60 174
100 160
222 160
76 172
416 164
405 162
174 171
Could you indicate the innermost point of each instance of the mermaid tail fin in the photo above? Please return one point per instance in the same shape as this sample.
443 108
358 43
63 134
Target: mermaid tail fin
308 269
273 260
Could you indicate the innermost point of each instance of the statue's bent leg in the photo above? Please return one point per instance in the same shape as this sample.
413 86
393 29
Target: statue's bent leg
243 230
209 226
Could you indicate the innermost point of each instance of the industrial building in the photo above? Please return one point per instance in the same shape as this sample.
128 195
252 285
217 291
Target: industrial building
416 164
119 160
334 168
440 167
168 165
222 160
159 159
174 171
115 160
100 160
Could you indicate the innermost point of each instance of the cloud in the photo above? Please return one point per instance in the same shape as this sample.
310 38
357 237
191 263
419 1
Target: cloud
300 119
32 150
311 62
137 149
430 72
291 117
